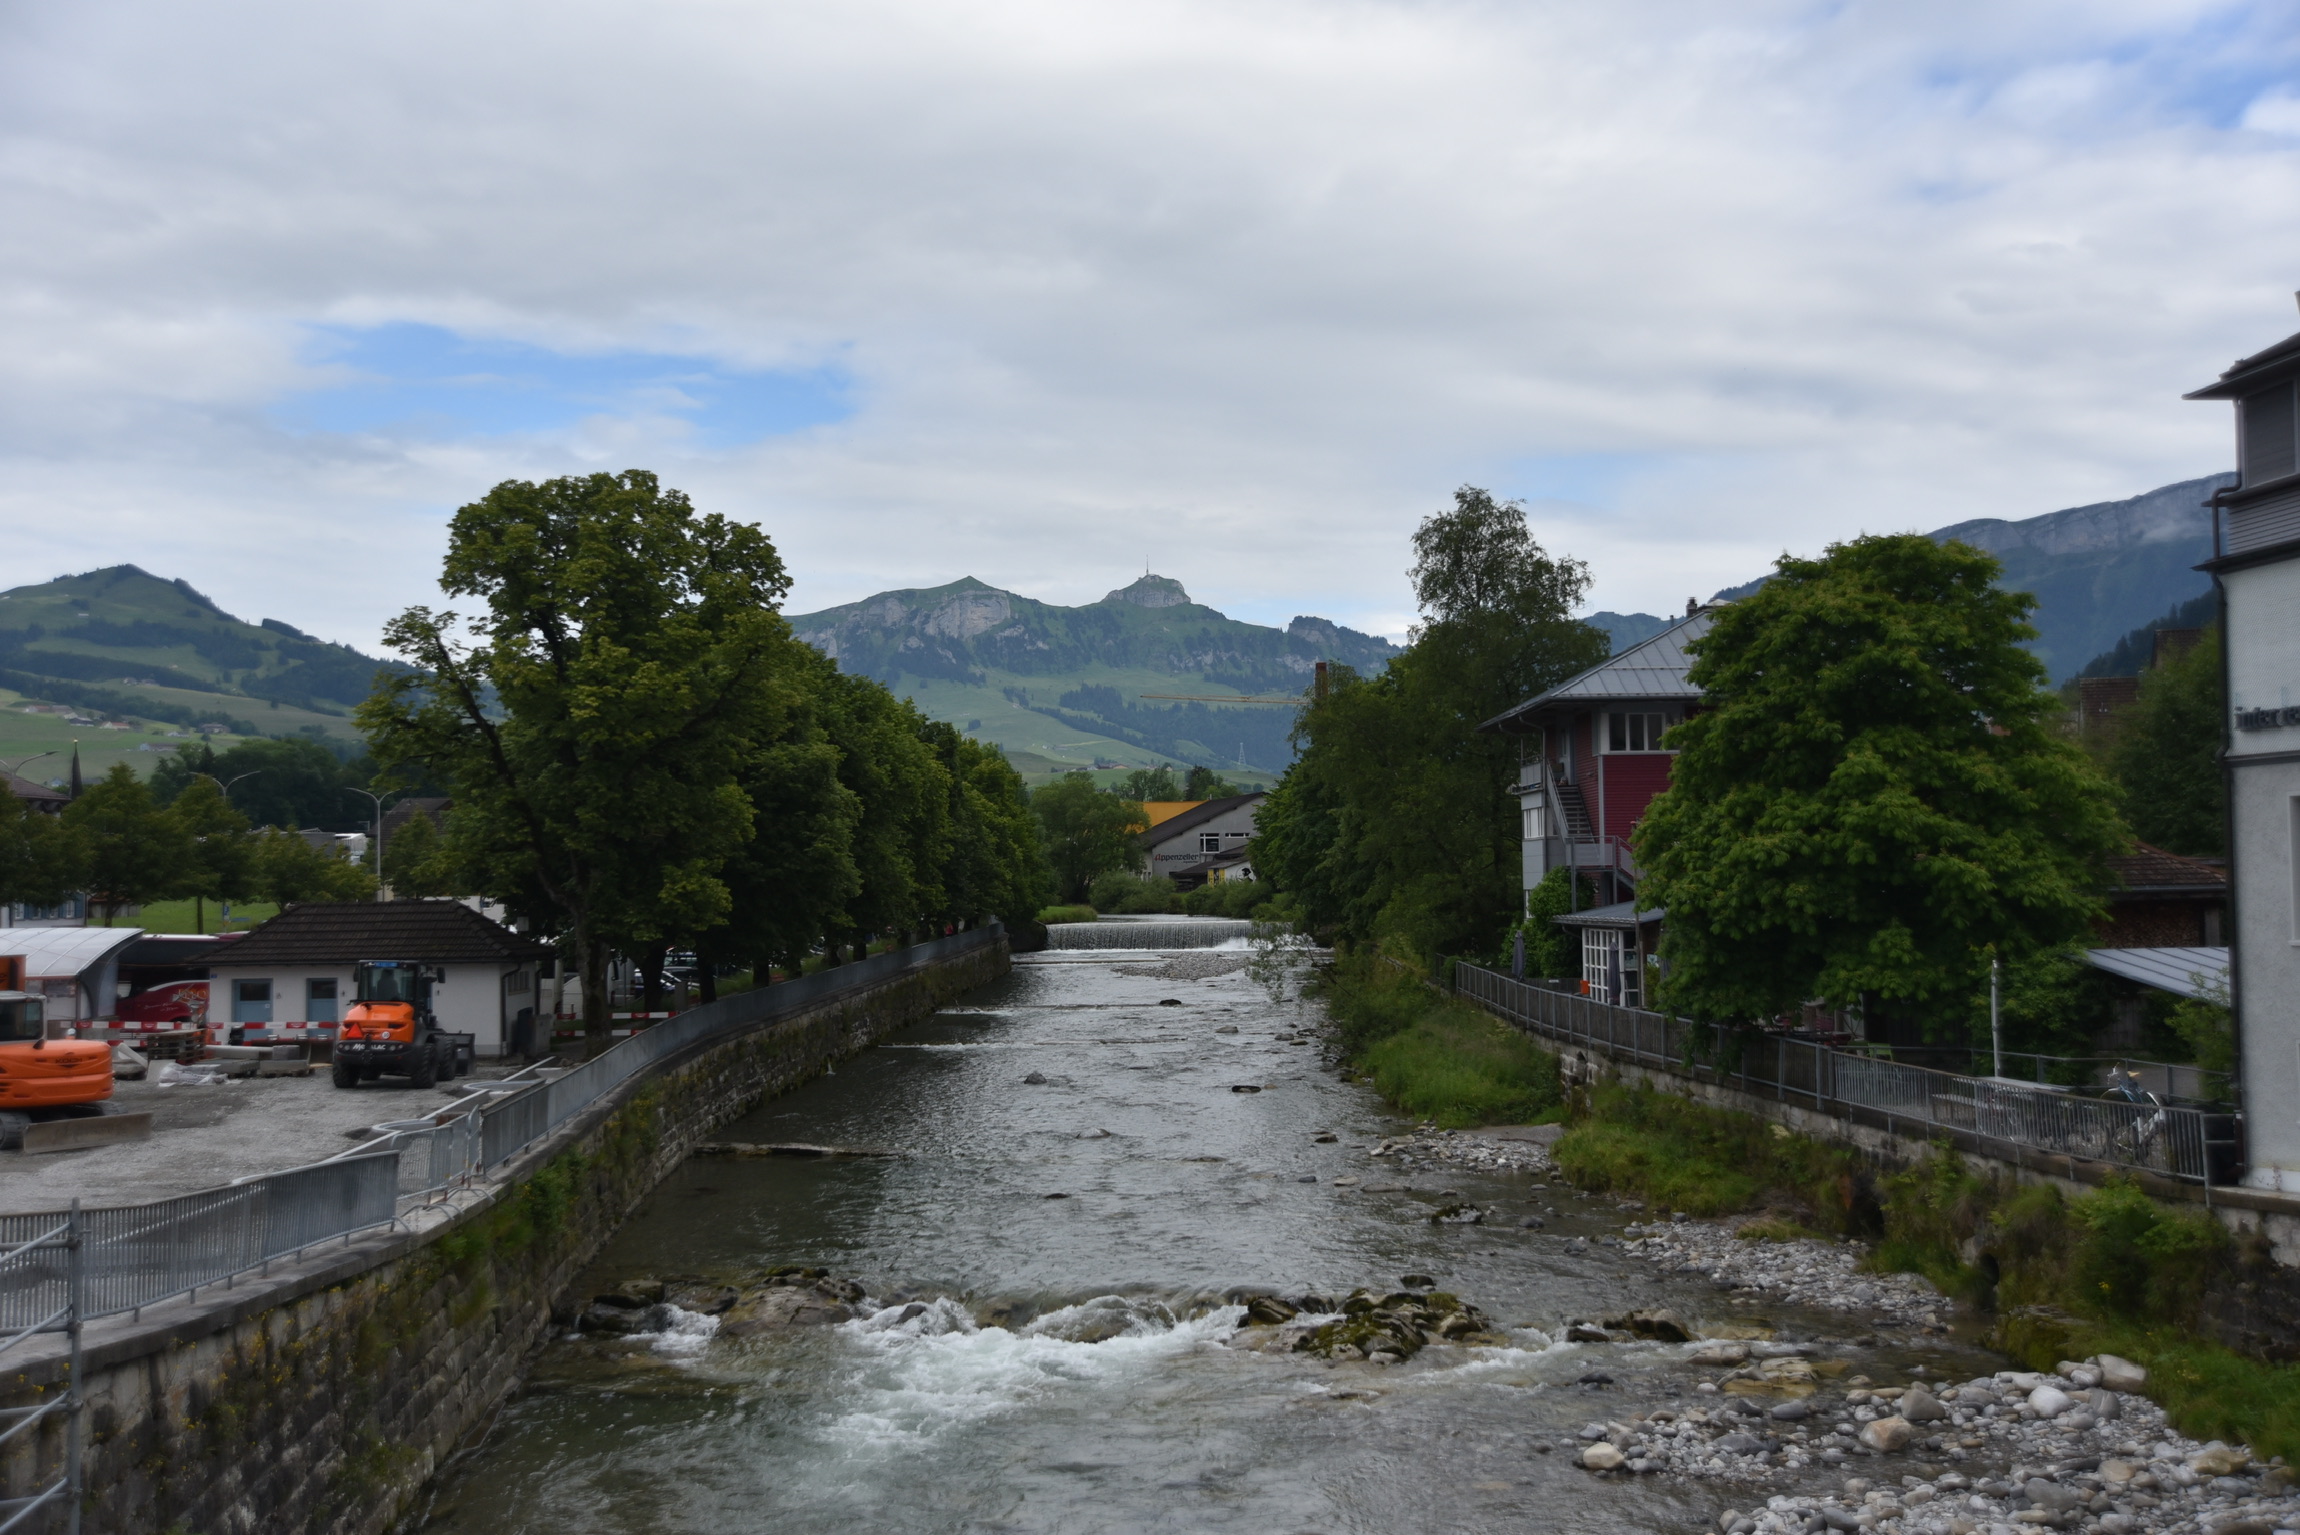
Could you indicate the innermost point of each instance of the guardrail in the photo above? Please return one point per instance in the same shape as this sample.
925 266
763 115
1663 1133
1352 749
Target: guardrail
2178 1143
95 1263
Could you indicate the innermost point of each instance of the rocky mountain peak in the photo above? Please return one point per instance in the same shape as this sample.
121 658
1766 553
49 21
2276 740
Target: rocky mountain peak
1152 592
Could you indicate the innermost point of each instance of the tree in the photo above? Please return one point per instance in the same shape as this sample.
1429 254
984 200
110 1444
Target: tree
1395 819
901 837
995 866
1086 832
1149 784
1204 783
594 732
2167 755
129 850
1871 796
286 869
415 864
38 859
222 866
294 783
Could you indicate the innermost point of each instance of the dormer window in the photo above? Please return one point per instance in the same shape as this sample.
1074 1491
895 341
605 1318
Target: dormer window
1634 731
2268 434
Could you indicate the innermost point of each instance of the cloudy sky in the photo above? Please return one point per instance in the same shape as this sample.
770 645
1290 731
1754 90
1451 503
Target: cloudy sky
1047 293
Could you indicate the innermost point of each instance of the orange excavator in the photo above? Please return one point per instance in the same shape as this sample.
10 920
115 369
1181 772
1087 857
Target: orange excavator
390 1027
43 1079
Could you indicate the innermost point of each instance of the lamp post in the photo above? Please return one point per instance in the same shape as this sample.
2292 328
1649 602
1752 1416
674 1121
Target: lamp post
1996 1037
35 757
378 835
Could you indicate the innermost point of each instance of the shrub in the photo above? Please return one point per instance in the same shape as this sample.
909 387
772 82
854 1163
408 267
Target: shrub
1131 895
1688 1156
1231 898
1067 914
1459 1067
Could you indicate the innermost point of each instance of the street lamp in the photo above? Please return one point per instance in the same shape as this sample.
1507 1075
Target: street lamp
348 789
227 787
35 757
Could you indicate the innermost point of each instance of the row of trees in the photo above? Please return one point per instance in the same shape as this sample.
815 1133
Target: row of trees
641 755
117 844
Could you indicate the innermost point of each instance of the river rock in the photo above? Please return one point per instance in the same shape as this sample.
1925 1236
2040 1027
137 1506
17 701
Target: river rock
2050 1401
1920 1406
2117 1472
1270 1310
783 1306
1724 1352
707 1299
615 1321
1602 1457
2217 1459
2120 1374
1036 1079
2050 1496
1790 1412
1583 1332
1665 1325
1887 1433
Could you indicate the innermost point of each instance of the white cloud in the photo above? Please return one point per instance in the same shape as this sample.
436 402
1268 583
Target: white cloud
1242 291
2276 111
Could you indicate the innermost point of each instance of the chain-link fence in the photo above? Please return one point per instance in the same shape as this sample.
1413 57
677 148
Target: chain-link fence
2183 1143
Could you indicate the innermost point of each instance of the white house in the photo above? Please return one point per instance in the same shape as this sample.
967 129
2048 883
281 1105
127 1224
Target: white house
2256 566
294 974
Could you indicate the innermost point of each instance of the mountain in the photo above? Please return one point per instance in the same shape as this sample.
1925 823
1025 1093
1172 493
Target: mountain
1626 629
1068 683
2098 571
127 642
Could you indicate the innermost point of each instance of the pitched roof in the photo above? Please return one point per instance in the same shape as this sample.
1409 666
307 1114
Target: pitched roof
346 932
1197 815
1622 914
37 793
2152 871
2183 972
1655 667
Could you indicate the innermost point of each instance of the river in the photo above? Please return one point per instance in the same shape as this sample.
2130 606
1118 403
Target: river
1175 1190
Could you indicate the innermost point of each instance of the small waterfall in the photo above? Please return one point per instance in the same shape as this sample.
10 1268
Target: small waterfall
1176 933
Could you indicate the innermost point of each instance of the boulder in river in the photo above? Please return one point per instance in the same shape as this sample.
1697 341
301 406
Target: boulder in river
1602 1457
1401 1323
2121 1374
1888 1434
1663 1324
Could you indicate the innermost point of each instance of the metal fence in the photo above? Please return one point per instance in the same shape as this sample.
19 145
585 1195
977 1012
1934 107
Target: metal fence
133 1256
2182 1143
517 1121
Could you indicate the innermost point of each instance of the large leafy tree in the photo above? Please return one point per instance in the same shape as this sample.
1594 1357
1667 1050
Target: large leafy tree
39 861
595 729
292 783
286 869
1872 794
127 848
1086 832
995 866
901 836
1395 820
222 863
2167 754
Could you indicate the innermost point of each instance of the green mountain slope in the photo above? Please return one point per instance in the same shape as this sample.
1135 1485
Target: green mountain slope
123 641
1069 684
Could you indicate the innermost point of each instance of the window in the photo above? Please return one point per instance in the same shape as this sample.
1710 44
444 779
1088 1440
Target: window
319 1000
1532 824
2266 434
1209 842
1609 967
70 909
251 1001
1639 732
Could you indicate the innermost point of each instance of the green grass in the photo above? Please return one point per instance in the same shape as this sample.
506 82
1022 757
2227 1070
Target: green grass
1674 1152
1434 1057
1068 914
176 917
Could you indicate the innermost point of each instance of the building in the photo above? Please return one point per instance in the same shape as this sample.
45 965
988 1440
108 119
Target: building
296 971
76 970
1181 846
2162 900
1590 757
2256 568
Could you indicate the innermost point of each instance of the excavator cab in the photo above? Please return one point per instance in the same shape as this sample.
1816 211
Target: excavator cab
43 1079
390 1026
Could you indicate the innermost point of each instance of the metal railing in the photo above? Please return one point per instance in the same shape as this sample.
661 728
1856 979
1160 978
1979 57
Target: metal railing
44 1235
2171 1141
517 1121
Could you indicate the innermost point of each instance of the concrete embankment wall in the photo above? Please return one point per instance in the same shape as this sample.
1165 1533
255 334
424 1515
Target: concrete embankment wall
323 1397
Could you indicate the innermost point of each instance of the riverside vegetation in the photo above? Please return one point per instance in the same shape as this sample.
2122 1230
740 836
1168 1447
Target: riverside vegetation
2110 1271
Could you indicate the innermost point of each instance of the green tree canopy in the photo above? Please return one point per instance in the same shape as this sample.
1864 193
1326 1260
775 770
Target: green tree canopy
1204 783
222 866
287 869
1086 832
1871 794
1147 784
415 863
2167 755
594 731
902 833
294 783
1395 819
127 849
39 861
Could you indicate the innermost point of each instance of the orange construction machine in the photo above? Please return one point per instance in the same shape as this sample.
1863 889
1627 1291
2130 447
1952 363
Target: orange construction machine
390 1027
43 1079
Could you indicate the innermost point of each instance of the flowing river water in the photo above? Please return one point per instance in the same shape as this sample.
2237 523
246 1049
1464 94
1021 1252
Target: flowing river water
983 1407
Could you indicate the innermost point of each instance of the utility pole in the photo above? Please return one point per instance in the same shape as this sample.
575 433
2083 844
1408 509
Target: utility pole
1996 1037
378 836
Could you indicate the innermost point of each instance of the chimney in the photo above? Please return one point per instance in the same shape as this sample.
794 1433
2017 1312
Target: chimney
1318 692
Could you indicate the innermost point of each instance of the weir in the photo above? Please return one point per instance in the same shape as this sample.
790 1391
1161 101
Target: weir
1149 933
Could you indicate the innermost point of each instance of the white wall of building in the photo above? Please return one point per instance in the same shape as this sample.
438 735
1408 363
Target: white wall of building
474 999
2264 769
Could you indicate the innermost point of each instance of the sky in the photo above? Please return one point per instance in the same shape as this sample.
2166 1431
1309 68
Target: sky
1050 294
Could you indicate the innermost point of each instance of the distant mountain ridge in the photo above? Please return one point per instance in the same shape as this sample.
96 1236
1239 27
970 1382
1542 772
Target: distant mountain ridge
125 640
2098 571
970 651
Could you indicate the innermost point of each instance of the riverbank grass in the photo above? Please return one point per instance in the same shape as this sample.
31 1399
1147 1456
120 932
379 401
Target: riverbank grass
1677 1154
1437 1058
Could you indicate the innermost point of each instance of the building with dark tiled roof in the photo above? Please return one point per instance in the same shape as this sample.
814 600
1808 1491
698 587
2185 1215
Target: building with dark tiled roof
1179 846
2162 900
297 969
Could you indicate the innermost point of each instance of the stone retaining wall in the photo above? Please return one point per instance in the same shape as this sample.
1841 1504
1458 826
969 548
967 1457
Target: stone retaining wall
323 1397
